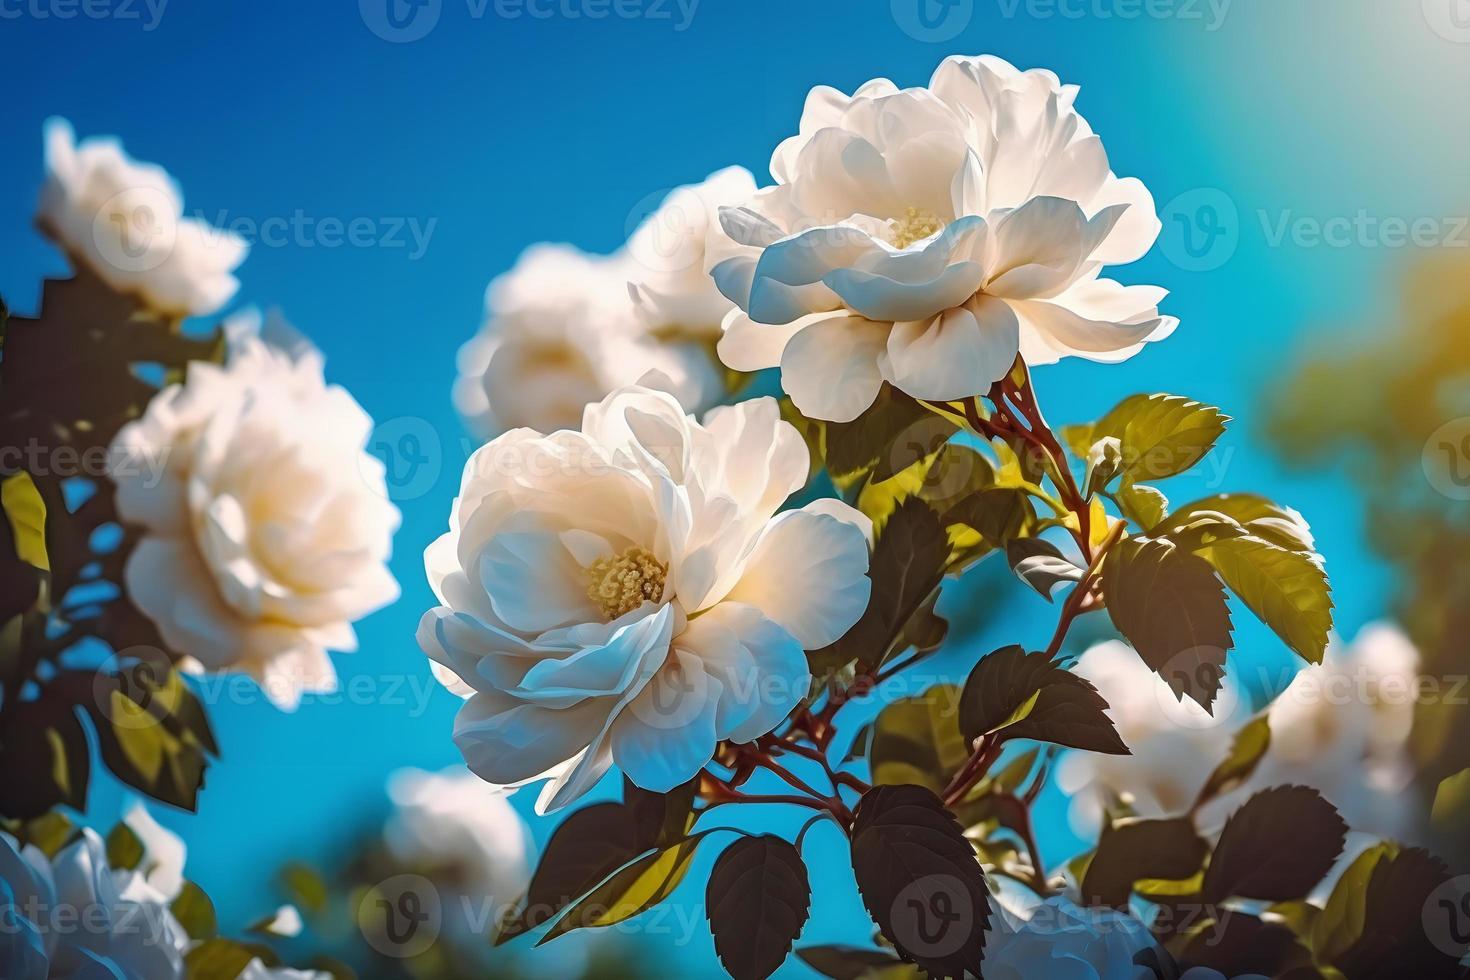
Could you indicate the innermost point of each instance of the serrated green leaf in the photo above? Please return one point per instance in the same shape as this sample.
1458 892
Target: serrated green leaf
1288 590
1132 850
1144 505
1172 609
1276 848
1014 694
1280 525
1160 435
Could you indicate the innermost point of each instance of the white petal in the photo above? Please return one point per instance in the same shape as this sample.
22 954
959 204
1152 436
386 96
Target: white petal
809 574
831 368
956 355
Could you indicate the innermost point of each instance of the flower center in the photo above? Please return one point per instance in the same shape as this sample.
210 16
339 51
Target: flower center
916 225
623 582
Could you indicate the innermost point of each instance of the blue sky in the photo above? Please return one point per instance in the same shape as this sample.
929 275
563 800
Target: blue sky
1282 142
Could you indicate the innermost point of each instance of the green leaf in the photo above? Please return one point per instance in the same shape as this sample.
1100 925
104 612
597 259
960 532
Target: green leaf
124 849
1041 565
634 889
44 758
225 959
1452 802
1160 435
146 743
1282 526
1014 694
1171 607
583 851
1276 848
1132 849
1287 590
907 568
1396 912
1144 505
856 963
917 740
304 888
920 880
757 901
195 912
1246 753
26 511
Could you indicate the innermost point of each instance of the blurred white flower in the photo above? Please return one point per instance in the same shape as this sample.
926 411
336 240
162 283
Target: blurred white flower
125 221
560 332
163 852
455 820
1056 938
256 970
1340 727
75 918
672 252
925 236
625 595
266 524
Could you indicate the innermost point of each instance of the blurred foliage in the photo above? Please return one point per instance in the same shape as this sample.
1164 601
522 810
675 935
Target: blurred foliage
1390 412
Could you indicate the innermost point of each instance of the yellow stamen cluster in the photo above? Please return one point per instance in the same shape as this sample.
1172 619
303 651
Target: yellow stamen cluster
623 582
916 225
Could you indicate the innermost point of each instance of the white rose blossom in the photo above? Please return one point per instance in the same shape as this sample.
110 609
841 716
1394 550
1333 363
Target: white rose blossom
925 236
74 917
1056 938
455 819
125 221
560 332
266 524
673 251
626 594
1340 727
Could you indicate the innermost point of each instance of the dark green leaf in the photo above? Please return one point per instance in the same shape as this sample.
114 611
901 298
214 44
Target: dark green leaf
1281 526
856 963
757 901
1133 849
124 849
44 760
920 879
1276 848
907 567
145 744
224 959
305 888
633 889
1240 945
1014 694
1171 607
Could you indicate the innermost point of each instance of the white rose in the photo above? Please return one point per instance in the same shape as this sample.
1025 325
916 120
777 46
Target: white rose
1056 937
455 819
625 595
266 523
560 332
75 917
125 221
1341 727
925 236
673 251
